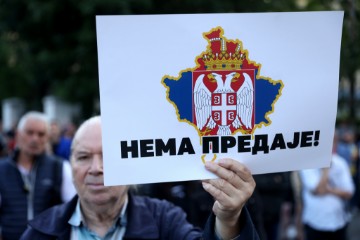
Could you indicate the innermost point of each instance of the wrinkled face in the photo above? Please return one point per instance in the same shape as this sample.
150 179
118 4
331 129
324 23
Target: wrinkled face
32 139
87 168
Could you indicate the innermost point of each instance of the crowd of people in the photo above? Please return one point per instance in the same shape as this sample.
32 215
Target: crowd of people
44 165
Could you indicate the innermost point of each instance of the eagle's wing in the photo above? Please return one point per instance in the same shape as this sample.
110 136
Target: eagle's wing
244 106
202 102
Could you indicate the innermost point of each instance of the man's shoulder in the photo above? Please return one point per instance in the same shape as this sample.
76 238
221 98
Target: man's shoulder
51 157
51 161
6 168
163 220
153 208
55 217
5 162
150 203
52 222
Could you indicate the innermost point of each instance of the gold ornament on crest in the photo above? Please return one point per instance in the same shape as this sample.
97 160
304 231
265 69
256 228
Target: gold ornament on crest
224 60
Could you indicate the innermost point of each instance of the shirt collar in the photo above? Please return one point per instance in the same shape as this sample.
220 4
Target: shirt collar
77 219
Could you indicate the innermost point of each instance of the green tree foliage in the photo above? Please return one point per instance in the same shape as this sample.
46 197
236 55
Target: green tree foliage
49 47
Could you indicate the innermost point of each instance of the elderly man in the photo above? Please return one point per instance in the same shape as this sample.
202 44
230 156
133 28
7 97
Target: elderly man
30 180
100 212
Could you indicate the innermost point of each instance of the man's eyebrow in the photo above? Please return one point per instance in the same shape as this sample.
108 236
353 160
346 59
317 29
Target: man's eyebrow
81 152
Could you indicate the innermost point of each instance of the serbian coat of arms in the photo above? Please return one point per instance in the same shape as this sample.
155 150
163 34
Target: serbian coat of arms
224 93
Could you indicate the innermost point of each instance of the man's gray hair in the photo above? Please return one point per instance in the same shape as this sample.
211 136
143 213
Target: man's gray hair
33 115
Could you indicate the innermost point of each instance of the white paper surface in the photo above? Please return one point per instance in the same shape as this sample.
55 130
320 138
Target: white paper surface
142 60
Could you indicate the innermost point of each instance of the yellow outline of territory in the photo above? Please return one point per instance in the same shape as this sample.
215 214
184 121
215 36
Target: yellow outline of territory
258 77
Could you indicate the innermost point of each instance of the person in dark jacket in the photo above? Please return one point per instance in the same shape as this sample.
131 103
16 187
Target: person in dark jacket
114 213
31 181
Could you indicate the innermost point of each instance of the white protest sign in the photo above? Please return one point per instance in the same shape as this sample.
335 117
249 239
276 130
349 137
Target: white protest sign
178 90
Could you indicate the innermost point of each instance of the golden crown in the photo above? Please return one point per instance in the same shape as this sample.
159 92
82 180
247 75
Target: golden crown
223 60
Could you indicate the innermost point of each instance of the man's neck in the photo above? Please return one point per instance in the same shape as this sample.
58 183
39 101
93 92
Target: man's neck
100 219
25 160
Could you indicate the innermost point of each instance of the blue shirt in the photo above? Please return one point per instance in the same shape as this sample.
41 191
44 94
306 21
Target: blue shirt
79 230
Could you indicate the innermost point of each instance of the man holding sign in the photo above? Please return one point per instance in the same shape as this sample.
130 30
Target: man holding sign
114 213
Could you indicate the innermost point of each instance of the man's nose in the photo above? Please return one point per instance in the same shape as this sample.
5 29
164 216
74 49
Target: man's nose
96 164
34 137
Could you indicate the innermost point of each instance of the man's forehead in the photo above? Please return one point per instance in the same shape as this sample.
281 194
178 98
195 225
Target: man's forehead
87 130
82 149
35 123
87 147
88 135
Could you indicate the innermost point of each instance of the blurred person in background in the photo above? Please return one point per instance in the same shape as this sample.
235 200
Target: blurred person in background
346 146
10 139
3 143
112 212
357 180
295 227
60 145
325 195
69 130
348 149
30 180
273 193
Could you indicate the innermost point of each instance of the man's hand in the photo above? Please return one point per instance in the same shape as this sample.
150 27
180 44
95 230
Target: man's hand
231 190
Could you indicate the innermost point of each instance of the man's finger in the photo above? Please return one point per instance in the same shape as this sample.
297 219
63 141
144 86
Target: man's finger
240 169
219 195
228 168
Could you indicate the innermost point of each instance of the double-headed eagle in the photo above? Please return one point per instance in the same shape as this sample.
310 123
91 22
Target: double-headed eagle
244 102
